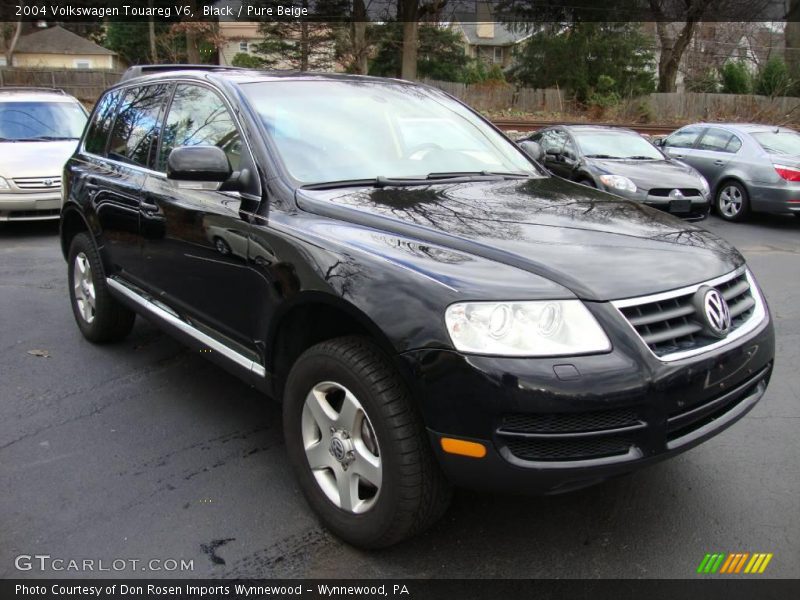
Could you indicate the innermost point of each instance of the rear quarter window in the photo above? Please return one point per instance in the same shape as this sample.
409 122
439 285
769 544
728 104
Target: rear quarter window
97 134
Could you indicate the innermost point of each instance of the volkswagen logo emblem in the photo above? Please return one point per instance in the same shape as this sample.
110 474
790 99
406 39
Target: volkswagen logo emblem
713 311
676 194
337 449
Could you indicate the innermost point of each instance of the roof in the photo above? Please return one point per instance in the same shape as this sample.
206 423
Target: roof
57 40
141 74
503 35
32 94
746 127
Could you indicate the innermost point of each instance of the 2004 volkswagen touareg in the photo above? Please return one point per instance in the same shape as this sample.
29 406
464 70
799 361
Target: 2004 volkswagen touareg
429 304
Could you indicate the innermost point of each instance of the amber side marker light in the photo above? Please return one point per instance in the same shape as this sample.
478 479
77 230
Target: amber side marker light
463 448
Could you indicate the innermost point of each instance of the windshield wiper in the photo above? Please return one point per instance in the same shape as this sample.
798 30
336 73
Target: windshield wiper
493 174
601 156
46 138
641 158
381 181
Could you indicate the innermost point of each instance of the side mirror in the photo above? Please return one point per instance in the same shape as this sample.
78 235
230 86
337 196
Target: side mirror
532 149
198 163
659 142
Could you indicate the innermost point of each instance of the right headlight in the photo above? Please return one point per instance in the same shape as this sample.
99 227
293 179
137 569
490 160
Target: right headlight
4 184
535 328
618 182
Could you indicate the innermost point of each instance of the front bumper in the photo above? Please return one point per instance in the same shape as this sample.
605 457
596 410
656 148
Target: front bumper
552 425
26 206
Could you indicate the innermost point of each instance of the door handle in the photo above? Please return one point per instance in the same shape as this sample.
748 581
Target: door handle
677 156
149 207
719 163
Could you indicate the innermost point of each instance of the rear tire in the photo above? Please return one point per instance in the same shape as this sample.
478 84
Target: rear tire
100 317
343 398
732 201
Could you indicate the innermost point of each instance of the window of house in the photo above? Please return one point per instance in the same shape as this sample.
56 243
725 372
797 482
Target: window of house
83 64
199 117
498 55
3 61
135 132
243 46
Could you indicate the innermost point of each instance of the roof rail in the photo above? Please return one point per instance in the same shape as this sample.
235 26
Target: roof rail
138 70
23 88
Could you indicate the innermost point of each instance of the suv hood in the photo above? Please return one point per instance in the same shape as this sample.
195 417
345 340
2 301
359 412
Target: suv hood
650 174
34 159
599 246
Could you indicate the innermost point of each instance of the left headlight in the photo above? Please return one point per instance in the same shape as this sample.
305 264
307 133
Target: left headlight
4 184
536 328
618 182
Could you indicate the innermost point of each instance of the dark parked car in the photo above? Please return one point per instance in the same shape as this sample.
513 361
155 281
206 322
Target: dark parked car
749 167
428 304
622 162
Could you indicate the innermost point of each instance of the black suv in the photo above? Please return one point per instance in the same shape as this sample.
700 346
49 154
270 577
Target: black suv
428 303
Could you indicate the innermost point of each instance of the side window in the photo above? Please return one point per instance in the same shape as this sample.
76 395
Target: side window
553 141
683 138
719 140
199 117
97 134
135 132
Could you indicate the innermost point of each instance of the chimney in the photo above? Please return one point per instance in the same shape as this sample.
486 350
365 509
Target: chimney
485 23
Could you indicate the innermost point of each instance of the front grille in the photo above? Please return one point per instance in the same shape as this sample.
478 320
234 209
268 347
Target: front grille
38 183
671 325
665 192
569 422
568 449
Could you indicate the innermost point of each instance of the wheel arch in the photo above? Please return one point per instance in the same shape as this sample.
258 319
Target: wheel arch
72 223
310 318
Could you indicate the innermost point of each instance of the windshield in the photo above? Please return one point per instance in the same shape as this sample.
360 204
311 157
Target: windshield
782 142
24 121
616 144
352 130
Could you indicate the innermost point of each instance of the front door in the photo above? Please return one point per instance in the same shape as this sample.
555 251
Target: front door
713 153
195 237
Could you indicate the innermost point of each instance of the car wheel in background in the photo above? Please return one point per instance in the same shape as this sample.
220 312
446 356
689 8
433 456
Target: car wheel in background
358 447
99 316
588 183
732 201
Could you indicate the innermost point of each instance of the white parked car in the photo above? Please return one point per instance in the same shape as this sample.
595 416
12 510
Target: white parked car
39 130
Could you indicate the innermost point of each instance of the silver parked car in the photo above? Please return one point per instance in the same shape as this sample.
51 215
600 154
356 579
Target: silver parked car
39 130
749 167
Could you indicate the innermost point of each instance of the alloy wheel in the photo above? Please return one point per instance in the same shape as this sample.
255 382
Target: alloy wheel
83 285
730 201
341 447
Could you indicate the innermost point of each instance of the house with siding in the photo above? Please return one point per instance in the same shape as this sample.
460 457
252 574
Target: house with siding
57 48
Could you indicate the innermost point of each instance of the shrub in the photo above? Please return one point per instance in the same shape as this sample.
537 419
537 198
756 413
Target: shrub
735 78
248 61
773 79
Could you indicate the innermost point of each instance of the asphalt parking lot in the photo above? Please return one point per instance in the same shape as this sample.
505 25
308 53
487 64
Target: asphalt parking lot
144 450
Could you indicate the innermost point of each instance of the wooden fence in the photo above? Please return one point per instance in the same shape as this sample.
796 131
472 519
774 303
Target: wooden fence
85 84
689 106
500 96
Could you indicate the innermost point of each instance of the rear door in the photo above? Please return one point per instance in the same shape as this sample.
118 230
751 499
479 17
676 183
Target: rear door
714 150
196 238
118 147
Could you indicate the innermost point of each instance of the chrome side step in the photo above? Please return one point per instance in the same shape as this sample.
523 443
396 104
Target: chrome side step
153 308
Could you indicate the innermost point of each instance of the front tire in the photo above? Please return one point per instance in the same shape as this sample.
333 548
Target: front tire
99 316
732 201
357 446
